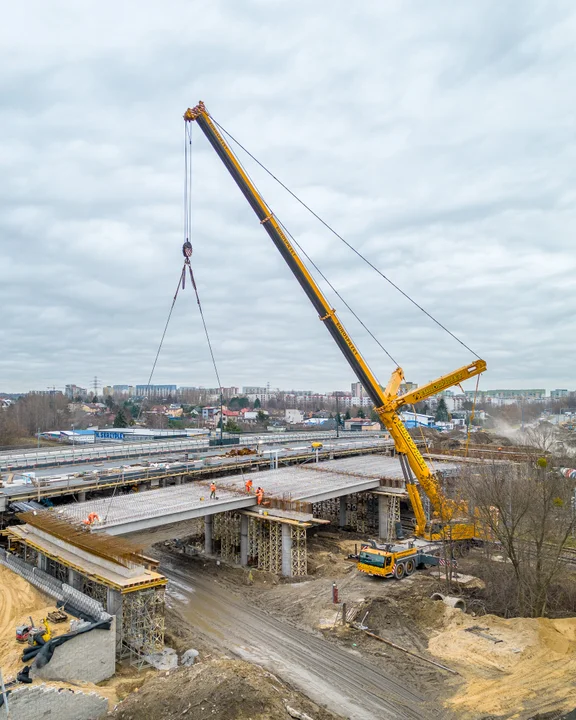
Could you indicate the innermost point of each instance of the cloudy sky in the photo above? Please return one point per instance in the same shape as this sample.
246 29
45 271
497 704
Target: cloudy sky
437 138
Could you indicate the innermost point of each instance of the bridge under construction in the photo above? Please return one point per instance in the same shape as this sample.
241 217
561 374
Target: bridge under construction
363 493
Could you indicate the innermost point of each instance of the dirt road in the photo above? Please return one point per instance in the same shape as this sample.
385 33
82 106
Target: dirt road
343 681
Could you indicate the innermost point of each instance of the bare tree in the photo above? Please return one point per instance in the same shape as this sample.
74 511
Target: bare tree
544 437
527 509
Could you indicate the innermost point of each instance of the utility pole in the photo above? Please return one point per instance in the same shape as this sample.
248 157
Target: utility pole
337 394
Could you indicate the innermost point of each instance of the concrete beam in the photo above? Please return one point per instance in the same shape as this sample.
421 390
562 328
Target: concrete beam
201 510
356 486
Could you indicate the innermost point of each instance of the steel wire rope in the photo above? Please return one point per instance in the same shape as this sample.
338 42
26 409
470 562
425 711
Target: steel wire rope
162 339
349 245
293 239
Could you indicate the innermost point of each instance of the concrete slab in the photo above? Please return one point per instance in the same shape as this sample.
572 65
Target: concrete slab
311 482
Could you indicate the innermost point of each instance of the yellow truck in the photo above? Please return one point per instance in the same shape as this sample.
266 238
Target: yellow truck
393 561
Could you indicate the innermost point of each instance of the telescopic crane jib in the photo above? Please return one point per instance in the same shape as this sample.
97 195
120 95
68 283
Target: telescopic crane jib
449 516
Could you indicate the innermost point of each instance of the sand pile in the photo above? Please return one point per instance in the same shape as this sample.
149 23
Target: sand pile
530 670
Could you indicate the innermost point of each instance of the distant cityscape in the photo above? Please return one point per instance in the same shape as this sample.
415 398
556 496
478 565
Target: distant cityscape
354 397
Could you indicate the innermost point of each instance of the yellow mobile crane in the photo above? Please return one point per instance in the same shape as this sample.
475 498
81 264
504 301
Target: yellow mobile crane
449 517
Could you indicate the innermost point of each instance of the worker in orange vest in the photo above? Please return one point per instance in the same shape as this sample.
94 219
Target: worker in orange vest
91 519
259 495
248 486
212 491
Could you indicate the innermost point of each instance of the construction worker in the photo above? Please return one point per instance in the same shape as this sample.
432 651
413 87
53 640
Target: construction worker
248 486
212 491
91 519
259 495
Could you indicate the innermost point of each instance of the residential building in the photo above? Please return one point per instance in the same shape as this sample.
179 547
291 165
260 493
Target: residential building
230 392
73 391
407 387
155 391
293 417
508 396
557 394
357 390
123 390
209 412
254 390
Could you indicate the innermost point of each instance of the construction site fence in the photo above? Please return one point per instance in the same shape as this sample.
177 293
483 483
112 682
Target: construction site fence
61 592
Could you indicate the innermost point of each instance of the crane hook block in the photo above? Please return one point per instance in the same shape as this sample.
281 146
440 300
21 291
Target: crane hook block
187 249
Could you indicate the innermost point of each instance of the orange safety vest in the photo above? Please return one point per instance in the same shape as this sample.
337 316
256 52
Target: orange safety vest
212 488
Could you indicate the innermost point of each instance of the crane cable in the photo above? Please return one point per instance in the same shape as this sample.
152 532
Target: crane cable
187 252
471 417
313 264
351 247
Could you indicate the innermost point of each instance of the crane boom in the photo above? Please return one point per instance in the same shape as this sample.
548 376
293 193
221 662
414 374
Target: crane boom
386 401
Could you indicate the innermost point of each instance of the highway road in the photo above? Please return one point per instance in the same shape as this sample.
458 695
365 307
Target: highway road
327 673
86 452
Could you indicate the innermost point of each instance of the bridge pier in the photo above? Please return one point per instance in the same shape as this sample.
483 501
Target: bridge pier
74 579
244 540
82 496
286 550
342 517
208 543
383 516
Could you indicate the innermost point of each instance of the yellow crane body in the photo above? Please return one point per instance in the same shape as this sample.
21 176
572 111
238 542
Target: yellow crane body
449 517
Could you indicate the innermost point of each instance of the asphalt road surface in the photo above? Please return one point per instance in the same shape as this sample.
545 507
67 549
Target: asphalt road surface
327 673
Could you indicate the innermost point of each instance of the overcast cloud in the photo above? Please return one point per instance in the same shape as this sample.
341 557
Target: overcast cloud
437 137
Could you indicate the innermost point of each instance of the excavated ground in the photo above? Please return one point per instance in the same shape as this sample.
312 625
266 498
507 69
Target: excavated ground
529 674
221 688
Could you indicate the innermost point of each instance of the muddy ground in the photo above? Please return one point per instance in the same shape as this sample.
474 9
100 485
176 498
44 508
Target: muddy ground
527 670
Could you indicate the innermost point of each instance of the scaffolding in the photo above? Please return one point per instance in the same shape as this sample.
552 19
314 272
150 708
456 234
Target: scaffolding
254 539
94 590
270 546
142 624
327 510
299 558
362 512
226 529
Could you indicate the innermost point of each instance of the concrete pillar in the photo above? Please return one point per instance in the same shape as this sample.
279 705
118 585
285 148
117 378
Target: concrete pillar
41 562
342 520
208 546
82 496
383 510
243 539
286 550
114 607
75 579
179 480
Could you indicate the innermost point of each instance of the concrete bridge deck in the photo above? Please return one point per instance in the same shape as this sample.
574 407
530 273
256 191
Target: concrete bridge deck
311 482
